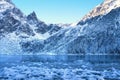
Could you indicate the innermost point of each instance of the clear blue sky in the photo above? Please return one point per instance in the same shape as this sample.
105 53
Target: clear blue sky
57 11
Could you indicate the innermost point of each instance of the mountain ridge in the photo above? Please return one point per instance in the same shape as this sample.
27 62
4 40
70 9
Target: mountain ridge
97 34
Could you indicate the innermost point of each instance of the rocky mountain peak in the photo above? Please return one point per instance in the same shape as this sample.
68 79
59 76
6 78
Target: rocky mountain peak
32 16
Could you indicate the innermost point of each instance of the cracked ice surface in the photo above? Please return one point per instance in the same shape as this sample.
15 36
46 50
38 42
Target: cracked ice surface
58 71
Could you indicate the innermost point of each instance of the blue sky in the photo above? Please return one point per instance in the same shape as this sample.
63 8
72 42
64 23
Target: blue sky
57 11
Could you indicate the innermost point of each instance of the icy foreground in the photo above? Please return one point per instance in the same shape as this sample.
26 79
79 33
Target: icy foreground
59 71
46 67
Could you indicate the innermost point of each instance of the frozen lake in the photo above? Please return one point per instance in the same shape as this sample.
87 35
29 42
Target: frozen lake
59 67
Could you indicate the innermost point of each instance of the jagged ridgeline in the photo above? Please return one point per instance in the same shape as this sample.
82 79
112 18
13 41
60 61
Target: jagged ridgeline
15 27
97 33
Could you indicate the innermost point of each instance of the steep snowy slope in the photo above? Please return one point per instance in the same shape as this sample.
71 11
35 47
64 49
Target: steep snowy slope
102 36
103 8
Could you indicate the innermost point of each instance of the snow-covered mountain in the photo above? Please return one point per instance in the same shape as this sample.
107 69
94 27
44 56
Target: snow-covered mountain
96 33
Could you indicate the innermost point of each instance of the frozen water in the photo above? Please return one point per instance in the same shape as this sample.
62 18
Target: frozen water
49 71
57 67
